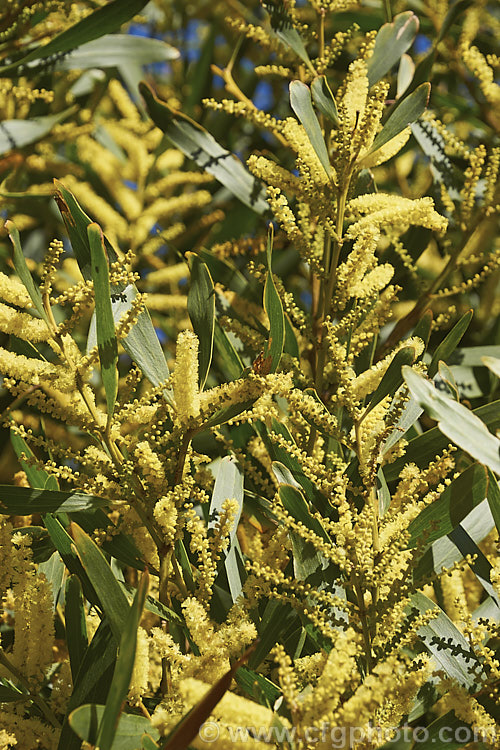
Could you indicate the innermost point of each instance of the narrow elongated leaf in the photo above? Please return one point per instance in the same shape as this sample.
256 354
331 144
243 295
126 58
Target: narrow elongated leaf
423 449
114 50
232 364
405 74
282 26
23 501
393 39
64 545
411 412
456 502
228 485
480 565
493 364
76 624
201 309
106 334
324 99
450 343
9 693
20 133
300 101
197 144
38 478
124 667
129 731
257 686
443 553
455 421
113 600
393 376
448 646
183 734
54 571
104 20
274 311
92 682
23 270
410 109
141 343
294 502
276 619
494 498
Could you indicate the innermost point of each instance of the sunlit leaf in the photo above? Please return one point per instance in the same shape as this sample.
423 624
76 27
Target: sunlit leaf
301 103
392 40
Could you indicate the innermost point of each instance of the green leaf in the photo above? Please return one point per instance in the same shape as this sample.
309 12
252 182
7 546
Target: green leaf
258 687
423 449
141 343
42 547
20 133
232 366
274 311
300 101
23 501
92 682
106 334
455 503
201 309
129 731
450 343
410 109
392 40
9 693
23 271
393 376
480 565
494 498
405 74
455 421
123 669
294 502
54 571
102 21
450 649
493 364
276 619
114 50
75 624
153 605
441 733
324 99
37 478
229 412
148 743
113 600
197 144
282 26
447 379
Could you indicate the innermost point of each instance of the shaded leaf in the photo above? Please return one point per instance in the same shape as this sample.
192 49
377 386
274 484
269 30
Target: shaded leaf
448 646
282 26
113 600
410 109
455 421
274 311
453 505
201 309
450 343
494 498
107 343
324 99
75 624
232 365
197 144
258 687
102 21
23 501
23 270
300 101
423 449
392 40
393 376
124 667
9 693
38 478
93 680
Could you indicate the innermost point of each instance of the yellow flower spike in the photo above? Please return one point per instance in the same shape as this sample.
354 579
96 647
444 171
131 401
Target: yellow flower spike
185 377
388 150
355 96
